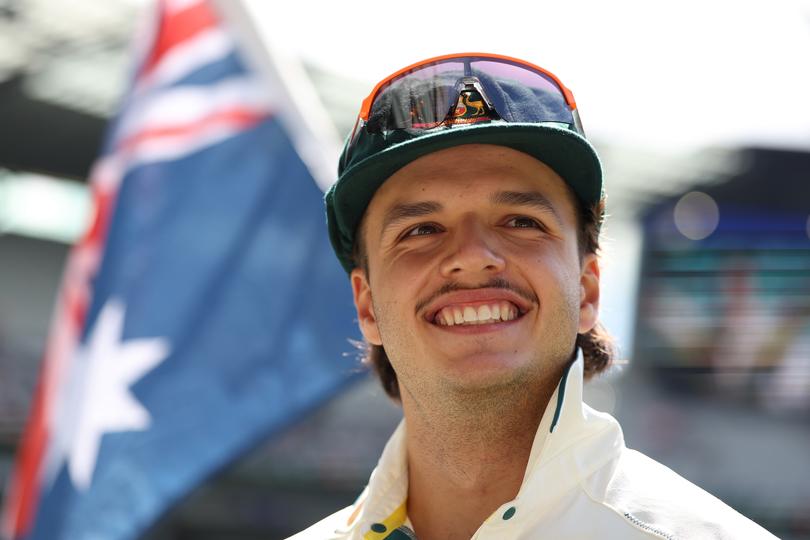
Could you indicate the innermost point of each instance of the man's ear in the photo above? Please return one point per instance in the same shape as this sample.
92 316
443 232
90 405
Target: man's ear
364 306
588 293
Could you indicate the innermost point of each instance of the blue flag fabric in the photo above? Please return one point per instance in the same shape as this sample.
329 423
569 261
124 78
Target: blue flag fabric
214 313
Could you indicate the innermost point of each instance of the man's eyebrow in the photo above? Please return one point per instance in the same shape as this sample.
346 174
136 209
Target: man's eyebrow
532 199
403 211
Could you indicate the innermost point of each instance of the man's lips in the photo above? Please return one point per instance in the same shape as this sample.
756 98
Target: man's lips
461 300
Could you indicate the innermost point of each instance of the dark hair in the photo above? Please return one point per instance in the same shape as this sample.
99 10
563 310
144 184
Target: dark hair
598 346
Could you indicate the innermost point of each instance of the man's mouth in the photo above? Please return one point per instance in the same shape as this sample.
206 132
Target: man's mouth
480 313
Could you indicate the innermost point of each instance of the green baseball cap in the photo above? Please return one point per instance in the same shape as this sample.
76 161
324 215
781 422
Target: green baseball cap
508 111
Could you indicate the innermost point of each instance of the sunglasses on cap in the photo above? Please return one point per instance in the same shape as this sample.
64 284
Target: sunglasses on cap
465 88
456 100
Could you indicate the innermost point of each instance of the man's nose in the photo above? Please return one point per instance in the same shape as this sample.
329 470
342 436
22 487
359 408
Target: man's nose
472 250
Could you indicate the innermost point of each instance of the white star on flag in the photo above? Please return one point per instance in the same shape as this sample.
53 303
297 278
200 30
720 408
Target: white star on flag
96 399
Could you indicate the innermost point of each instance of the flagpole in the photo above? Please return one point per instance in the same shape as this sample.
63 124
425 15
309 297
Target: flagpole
300 109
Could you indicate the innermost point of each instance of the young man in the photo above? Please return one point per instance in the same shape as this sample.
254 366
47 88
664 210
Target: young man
467 213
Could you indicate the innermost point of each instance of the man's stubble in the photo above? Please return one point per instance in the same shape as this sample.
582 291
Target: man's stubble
488 404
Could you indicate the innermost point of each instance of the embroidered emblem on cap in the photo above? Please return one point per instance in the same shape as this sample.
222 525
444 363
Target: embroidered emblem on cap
470 109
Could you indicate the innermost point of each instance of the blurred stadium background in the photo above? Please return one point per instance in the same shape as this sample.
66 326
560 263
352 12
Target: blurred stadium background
707 259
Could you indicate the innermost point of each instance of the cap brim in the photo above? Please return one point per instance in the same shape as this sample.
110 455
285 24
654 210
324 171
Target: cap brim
566 152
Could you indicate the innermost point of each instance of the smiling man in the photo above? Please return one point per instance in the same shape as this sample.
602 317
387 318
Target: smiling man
467 213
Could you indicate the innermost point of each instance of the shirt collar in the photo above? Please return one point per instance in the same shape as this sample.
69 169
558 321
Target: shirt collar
566 421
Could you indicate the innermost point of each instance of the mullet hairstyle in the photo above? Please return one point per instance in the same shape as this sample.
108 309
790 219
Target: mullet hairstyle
598 346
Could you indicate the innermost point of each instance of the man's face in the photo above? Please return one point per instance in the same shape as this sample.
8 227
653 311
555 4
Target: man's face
475 279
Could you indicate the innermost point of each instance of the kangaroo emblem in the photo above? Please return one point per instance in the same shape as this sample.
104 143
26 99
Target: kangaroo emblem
478 105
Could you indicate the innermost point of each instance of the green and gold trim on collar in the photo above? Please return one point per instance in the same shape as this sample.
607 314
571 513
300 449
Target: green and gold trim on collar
388 529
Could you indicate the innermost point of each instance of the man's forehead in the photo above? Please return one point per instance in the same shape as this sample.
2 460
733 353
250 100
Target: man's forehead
524 180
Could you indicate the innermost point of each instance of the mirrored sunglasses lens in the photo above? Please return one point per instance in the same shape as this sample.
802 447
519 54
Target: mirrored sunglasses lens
424 97
420 99
520 94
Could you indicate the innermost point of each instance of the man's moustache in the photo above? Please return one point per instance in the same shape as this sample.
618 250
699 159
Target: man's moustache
494 283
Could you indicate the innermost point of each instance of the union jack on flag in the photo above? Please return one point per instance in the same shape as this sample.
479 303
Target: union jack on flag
202 311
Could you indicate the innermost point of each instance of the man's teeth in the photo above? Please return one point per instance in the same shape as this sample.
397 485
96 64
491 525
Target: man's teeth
468 315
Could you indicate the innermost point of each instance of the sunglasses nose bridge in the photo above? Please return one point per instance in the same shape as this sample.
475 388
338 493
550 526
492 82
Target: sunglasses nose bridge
474 83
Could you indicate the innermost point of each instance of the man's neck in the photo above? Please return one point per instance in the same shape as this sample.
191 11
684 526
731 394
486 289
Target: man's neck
467 457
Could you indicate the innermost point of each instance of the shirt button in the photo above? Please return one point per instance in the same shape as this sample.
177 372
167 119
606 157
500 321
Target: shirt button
378 527
509 513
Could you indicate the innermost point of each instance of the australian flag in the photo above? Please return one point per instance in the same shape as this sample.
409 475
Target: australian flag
202 311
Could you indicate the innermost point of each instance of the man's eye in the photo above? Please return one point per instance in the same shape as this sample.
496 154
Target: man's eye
523 222
422 230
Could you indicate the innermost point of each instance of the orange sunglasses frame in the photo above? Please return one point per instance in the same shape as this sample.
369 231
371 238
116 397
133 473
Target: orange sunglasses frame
365 108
